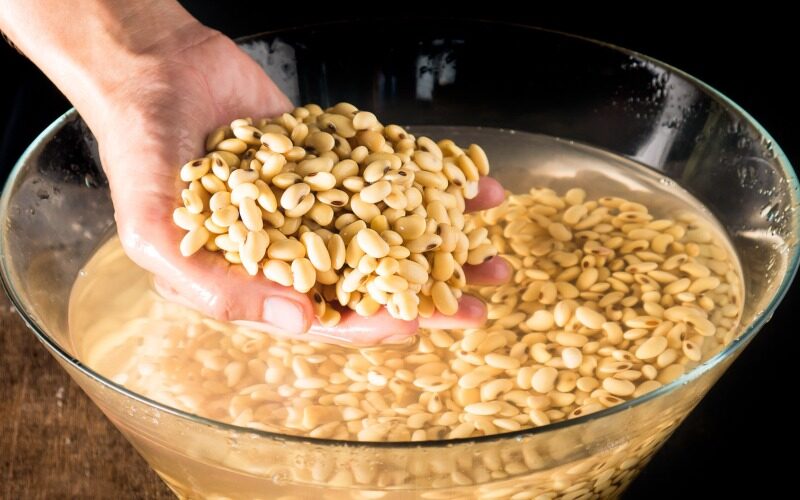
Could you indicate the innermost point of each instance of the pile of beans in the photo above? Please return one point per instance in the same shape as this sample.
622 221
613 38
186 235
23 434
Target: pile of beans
335 204
607 302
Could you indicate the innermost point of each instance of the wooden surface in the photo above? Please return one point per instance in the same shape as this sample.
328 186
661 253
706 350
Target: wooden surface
54 442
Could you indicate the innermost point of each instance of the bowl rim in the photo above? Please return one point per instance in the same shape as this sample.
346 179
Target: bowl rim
761 318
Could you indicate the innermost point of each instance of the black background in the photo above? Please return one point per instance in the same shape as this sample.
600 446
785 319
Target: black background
729 446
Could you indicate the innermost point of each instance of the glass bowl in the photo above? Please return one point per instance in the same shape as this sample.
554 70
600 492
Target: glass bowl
56 210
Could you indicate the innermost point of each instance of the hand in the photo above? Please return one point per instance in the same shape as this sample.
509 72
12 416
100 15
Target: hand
154 119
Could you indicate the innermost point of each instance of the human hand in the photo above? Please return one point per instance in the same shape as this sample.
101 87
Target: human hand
151 110
167 112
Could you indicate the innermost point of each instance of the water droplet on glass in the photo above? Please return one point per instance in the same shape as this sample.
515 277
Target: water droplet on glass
770 211
90 180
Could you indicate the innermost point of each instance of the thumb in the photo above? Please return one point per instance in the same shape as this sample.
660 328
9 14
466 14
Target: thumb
210 284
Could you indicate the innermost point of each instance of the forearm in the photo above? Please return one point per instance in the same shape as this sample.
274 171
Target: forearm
92 47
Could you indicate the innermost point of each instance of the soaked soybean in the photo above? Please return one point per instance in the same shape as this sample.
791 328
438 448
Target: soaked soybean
620 284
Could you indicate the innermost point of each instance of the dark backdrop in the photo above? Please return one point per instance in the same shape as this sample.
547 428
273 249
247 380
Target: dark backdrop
728 447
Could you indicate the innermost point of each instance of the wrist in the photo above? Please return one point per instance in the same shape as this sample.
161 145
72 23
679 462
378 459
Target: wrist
117 75
113 44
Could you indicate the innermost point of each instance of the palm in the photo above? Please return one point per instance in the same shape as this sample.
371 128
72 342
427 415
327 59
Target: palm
159 122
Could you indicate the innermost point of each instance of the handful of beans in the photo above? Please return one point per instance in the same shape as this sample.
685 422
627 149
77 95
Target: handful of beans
335 204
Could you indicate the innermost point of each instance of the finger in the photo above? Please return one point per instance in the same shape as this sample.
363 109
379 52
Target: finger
471 314
228 293
380 328
352 330
169 293
208 283
494 271
490 194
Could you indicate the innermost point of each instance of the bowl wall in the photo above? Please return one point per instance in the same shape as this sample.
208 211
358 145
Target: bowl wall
56 210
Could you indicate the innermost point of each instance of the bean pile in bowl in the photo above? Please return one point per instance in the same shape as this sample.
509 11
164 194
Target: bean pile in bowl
609 298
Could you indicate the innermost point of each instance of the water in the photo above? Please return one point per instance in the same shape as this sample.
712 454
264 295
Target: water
122 329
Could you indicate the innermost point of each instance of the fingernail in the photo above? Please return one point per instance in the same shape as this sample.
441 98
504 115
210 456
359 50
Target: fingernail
285 314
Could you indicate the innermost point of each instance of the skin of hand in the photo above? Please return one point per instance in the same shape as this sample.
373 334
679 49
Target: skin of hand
151 114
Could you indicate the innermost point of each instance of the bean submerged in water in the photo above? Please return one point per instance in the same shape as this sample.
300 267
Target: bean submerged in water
596 314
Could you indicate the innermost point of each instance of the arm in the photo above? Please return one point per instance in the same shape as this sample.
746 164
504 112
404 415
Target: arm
122 65
88 53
